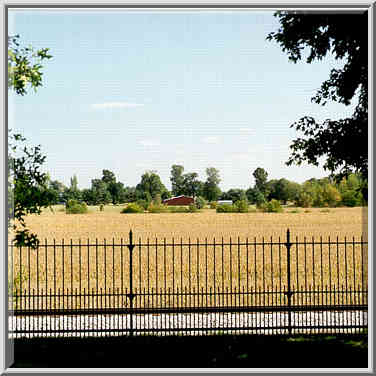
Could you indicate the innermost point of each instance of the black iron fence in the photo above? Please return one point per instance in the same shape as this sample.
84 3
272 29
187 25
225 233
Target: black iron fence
199 287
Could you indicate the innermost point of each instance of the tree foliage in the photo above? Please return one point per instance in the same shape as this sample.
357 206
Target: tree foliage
28 191
114 188
211 188
100 193
192 186
24 66
254 196
234 194
284 190
261 178
177 180
150 185
342 142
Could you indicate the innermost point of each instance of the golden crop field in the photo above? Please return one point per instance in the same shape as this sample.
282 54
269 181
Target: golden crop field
111 224
242 253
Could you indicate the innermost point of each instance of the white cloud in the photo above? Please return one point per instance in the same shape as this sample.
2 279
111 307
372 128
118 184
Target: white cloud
101 106
149 143
211 140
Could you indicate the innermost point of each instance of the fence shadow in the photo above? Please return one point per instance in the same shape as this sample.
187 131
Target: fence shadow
222 351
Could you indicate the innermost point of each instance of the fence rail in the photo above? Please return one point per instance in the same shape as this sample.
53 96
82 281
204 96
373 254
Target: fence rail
145 287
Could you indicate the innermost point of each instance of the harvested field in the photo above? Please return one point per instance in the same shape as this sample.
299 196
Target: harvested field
111 224
244 252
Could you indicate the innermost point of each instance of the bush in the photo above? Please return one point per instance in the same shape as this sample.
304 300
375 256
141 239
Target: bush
241 206
213 205
143 204
304 200
331 196
200 202
177 209
226 208
192 208
272 206
351 198
157 199
75 207
155 208
133 208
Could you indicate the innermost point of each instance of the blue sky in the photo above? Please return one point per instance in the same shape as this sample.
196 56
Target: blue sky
134 91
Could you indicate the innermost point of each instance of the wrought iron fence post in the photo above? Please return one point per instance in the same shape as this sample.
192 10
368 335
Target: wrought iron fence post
131 296
289 293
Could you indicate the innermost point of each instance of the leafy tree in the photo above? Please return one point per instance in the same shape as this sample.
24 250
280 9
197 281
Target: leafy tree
150 186
108 177
254 196
177 180
200 202
331 196
261 178
234 194
166 194
117 192
74 183
87 196
351 198
342 142
115 189
72 193
272 206
211 189
56 190
130 194
192 186
100 193
353 189
318 193
27 190
280 191
284 190
24 66
157 200
241 206
304 199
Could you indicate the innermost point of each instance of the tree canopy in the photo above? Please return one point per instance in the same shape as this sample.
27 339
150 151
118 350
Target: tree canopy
261 178
211 188
177 180
343 143
150 186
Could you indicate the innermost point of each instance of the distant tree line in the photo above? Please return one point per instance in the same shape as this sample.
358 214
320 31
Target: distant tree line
325 192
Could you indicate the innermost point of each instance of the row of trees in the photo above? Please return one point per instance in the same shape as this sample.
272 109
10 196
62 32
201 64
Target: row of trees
313 192
107 190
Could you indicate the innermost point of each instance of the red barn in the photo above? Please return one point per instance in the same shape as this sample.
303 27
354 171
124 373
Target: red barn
179 200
